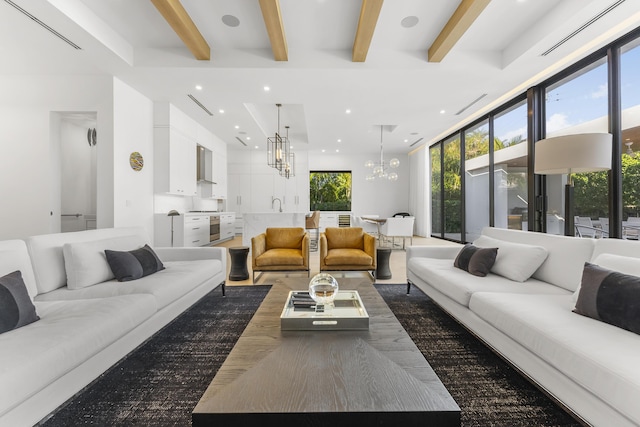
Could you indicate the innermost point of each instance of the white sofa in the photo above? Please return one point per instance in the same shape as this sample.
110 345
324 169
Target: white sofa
84 331
590 367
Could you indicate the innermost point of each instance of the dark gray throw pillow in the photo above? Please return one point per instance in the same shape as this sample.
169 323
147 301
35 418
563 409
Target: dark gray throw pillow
133 264
16 307
475 260
610 296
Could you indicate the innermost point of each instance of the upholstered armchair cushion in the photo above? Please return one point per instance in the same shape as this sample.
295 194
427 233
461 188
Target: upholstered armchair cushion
280 249
346 249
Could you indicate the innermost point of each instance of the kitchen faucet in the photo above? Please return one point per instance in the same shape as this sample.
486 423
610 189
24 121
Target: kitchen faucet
279 203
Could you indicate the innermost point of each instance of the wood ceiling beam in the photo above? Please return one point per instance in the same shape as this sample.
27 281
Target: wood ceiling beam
369 13
273 21
178 18
464 16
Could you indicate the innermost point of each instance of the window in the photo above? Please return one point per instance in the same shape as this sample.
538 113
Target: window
578 104
630 97
435 153
510 168
452 184
476 180
330 190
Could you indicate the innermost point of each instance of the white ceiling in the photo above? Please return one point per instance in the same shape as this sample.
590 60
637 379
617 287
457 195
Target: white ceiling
500 56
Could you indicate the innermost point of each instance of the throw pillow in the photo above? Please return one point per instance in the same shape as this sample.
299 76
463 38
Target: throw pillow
609 296
515 261
475 260
133 264
16 307
619 263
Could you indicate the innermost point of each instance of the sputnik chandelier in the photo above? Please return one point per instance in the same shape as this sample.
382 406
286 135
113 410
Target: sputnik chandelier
380 170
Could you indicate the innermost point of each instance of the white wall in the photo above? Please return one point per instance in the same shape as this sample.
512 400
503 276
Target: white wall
419 191
29 183
132 131
381 197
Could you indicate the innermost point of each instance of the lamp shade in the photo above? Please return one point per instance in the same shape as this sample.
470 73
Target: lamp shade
577 153
173 212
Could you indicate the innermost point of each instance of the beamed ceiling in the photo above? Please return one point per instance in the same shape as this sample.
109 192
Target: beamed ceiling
340 68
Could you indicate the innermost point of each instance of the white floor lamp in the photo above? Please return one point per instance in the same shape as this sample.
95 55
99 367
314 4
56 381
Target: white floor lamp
577 153
172 213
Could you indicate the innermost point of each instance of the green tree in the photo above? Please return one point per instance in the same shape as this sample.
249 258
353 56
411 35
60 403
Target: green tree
330 191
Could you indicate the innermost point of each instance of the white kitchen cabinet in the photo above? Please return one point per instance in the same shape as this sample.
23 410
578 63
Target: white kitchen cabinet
189 230
262 193
227 226
239 197
219 176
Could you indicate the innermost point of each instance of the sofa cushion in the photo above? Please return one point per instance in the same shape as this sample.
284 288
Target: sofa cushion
515 261
610 296
460 286
567 255
344 237
600 357
475 260
48 259
284 238
16 307
67 334
275 257
177 279
14 256
347 257
86 263
132 265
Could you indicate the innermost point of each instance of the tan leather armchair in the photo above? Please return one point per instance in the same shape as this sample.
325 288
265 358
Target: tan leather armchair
280 249
347 249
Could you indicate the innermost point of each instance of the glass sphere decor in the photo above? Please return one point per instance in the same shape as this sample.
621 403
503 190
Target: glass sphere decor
323 288
394 163
393 176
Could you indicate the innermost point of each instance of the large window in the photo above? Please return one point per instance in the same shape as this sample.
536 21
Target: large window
330 190
578 104
476 181
452 189
435 153
510 170
630 64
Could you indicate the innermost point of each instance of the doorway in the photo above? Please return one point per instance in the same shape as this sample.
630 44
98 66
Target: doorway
78 170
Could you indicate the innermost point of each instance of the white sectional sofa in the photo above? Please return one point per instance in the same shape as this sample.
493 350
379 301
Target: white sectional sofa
84 331
590 367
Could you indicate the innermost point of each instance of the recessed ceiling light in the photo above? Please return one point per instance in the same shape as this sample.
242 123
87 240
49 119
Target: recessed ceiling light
267 88
221 111
406 140
348 111
248 138
339 140
409 21
442 111
323 150
256 147
198 87
337 151
230 21
237 127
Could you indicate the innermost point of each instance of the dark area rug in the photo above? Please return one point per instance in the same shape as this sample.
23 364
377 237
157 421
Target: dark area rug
160 382
487 389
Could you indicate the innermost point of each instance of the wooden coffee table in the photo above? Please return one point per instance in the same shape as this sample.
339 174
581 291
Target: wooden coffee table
318 377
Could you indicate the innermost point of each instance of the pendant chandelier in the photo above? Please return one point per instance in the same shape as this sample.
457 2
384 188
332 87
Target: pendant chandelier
278 149
380 170
289 168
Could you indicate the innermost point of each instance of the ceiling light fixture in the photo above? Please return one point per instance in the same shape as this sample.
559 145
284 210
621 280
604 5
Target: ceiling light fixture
277 148
348 111
380 169
267 88
289 169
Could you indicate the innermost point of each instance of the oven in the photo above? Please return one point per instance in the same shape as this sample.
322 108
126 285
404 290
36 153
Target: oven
214 228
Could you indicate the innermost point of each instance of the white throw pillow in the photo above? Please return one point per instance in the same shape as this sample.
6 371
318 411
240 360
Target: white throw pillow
622 264
86 264
515 261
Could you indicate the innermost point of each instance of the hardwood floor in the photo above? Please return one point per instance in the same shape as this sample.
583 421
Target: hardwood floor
396 263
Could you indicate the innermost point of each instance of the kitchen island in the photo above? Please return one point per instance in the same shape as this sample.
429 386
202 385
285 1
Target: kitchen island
257 222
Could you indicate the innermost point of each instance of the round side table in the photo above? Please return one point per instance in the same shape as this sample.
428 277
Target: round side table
382 263
238 269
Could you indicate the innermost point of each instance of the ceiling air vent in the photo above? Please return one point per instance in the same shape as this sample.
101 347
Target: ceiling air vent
199 104
416 141
472 102
42 24
582 27
241 141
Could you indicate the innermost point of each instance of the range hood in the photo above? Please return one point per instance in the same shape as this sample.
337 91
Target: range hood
203 165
